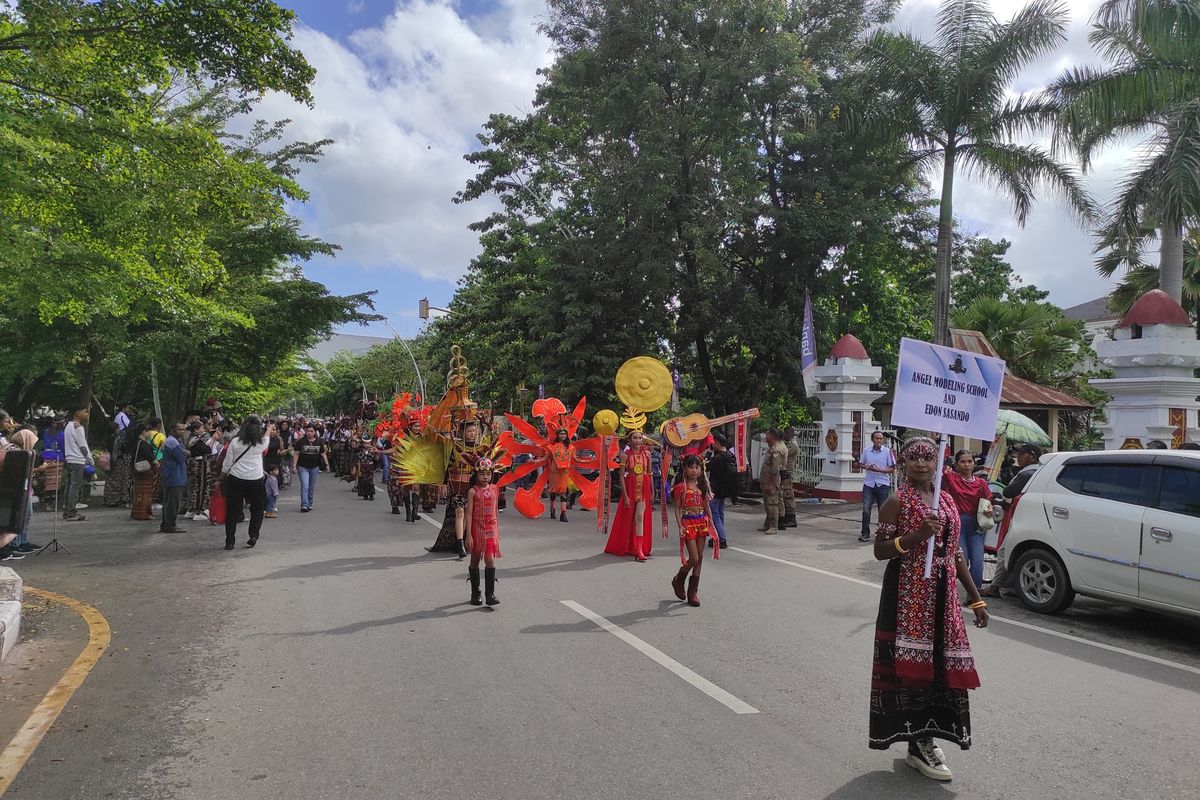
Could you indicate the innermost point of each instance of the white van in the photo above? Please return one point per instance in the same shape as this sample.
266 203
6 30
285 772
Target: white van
1122 525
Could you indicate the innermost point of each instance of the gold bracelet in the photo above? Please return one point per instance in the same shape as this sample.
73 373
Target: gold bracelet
899 548
977 604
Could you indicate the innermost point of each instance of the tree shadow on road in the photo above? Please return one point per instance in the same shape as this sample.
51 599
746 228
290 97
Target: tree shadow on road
902 781
441 612
341 566
666 608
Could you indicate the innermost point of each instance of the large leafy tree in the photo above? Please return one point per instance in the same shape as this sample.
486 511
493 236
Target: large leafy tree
949 99
1150 87
1139 280
683 180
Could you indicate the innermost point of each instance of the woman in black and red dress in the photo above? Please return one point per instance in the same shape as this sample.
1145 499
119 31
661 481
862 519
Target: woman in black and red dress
923 665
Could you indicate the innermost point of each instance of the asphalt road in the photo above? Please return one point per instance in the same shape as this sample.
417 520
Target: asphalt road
340 660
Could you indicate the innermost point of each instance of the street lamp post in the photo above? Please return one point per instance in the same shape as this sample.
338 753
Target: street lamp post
423 309
407 349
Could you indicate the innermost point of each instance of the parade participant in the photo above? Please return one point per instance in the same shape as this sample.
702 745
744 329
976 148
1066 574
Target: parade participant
466 451
559 467
633 528
967 489
310 454
483 531
693 514
367 461
411 493
922 659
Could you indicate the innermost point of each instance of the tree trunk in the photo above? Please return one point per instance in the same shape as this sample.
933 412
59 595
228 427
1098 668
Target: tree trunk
945 246
89 376
1170 261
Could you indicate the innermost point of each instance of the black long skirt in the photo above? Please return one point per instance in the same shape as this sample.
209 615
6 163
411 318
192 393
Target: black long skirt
900 714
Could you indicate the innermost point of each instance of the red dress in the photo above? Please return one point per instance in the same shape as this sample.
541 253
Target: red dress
485 527
636 484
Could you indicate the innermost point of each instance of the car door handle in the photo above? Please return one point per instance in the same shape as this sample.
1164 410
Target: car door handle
1060 512
1161 534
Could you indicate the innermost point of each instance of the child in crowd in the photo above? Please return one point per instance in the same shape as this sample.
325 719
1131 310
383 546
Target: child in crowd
272 492
483 532
366 462
693 513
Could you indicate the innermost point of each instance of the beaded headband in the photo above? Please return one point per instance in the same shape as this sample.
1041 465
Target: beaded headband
919 447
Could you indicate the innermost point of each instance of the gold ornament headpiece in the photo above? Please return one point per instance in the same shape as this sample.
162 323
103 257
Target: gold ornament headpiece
644 385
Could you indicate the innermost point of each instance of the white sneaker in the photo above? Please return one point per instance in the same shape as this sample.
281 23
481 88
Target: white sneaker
80 505
156 507
926 758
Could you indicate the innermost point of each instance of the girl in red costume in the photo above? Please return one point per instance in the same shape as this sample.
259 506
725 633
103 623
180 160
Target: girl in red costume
559 466
483 531
637 494
692 511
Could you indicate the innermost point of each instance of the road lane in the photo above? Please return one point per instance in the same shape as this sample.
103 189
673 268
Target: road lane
345 662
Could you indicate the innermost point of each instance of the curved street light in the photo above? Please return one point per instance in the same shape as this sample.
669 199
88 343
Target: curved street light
407 349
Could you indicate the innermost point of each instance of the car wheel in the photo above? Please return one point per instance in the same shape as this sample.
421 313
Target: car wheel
1042 582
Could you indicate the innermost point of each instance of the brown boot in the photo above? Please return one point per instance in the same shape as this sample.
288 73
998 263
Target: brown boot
677 582
693 595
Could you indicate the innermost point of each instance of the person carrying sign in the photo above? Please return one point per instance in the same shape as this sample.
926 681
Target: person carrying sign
922 665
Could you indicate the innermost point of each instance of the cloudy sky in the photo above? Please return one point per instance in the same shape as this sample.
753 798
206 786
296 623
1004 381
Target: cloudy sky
403 86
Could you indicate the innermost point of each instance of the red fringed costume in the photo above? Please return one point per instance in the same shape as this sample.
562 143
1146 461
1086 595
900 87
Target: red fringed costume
485 528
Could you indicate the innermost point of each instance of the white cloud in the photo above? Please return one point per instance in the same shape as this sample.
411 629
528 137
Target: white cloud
1052 250
403 102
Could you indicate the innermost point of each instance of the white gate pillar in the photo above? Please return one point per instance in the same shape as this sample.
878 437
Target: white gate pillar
847 417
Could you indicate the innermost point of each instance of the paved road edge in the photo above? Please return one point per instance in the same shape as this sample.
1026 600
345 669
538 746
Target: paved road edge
22 746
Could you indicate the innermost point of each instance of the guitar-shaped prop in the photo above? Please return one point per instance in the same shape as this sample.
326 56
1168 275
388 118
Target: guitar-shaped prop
682 431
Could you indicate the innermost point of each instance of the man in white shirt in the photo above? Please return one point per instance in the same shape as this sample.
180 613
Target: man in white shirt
78 456
879 463
122 418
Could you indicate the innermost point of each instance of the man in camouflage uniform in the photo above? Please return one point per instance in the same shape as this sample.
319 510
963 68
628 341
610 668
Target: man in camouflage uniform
769 478
786 487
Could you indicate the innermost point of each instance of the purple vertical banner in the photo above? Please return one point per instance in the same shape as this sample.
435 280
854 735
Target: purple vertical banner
541 391
808 349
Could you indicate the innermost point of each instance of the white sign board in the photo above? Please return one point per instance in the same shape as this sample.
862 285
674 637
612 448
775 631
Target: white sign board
948 391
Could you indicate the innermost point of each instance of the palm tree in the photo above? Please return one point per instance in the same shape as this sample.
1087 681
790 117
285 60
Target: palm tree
1139 280
950 100
1152 85
1035 340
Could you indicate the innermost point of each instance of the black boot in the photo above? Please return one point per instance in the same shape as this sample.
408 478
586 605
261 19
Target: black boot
473 577
462 550
489 586
562 515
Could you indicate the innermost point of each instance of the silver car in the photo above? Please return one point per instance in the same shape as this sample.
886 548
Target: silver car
1121 525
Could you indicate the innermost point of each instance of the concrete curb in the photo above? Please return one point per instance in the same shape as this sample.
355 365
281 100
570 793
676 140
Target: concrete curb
12 591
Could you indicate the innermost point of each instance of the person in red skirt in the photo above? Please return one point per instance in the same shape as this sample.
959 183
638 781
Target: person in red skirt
693 511
633 528
922 666
483 532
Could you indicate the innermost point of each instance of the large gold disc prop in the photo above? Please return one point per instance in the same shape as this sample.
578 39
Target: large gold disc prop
605 422
644 385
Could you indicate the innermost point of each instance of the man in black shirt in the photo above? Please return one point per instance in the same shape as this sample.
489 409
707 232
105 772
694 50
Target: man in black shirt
723 479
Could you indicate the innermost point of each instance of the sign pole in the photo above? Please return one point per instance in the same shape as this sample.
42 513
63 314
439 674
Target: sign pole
939 461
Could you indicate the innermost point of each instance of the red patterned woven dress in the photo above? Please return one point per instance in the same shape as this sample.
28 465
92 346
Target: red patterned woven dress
485 527
923 665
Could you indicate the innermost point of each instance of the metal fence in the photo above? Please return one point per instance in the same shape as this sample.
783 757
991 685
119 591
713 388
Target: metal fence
808 466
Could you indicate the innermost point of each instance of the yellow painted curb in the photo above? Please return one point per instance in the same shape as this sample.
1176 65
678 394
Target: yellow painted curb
18 751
